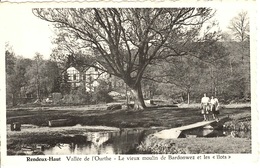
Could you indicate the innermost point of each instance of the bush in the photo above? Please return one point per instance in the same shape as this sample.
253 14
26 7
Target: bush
153 145
82 97
102 96
76 97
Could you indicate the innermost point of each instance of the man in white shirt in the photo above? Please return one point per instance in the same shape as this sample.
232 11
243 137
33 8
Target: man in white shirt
205 106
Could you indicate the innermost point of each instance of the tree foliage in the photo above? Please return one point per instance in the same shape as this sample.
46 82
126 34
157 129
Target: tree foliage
27 78
128 40
221 69
240 30
15 76
187 78
43 77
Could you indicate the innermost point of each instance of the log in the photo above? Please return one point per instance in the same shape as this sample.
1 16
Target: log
58 123
114 107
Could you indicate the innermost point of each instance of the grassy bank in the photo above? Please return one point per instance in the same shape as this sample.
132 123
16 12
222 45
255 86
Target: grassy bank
239 122
220 145
165 117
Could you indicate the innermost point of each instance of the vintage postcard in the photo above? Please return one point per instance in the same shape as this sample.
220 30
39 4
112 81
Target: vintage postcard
138 83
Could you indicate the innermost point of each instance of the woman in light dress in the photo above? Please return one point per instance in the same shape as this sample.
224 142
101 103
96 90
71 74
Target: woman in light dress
214 107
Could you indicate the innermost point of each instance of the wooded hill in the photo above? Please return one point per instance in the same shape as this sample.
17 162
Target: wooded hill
223 71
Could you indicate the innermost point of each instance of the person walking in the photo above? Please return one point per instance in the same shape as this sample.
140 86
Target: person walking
214 108
205 106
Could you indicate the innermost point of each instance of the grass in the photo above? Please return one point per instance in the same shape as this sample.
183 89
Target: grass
220 145
239 122
167 117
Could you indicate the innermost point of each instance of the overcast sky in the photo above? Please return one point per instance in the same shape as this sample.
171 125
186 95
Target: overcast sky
28 34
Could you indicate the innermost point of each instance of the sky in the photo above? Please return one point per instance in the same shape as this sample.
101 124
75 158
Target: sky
28 34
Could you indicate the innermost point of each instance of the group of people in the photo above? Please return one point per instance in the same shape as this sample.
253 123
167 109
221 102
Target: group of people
210 106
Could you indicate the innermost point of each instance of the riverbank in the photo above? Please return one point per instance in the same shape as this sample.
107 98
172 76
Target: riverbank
31 136
219 145
153 116
118 120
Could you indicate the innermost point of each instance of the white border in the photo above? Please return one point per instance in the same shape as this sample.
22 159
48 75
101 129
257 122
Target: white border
248 160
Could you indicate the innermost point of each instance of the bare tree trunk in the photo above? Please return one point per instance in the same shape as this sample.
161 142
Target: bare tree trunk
231 68
137 96
38 90
126 96
188 96
13 99
38 80
212 80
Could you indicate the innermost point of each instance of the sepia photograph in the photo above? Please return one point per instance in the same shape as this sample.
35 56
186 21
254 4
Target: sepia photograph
128 81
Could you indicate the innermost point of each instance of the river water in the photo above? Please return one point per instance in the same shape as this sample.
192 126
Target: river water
117 142
111 141
124 142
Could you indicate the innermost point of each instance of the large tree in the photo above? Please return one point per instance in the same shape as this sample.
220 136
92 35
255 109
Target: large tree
240 29
15 76
128 40
43 77
239 26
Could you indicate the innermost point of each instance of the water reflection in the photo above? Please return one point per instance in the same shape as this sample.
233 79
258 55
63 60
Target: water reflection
122 142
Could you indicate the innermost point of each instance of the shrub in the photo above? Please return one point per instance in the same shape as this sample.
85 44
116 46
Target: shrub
153 145
102 96
76 97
